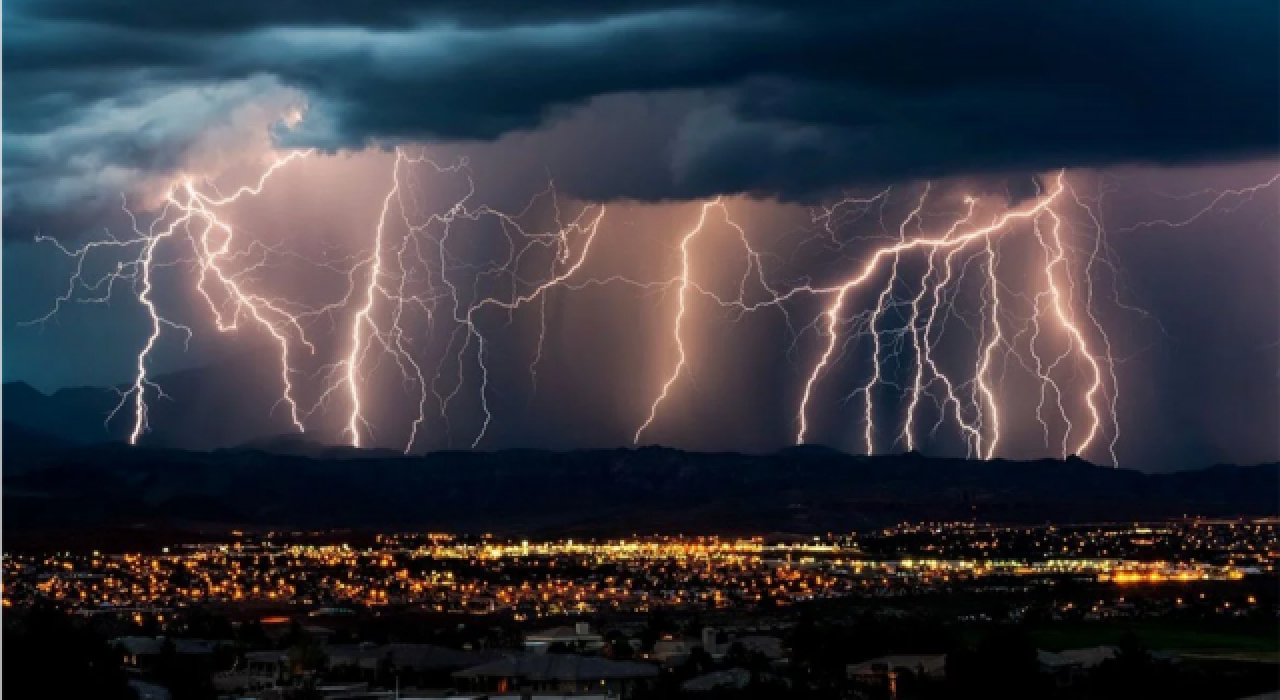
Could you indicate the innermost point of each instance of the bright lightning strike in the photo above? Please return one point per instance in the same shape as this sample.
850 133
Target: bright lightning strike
409 287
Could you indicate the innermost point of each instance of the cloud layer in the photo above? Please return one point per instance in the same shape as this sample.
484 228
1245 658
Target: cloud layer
786 99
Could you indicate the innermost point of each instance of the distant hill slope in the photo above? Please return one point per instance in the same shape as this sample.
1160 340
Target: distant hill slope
72 415
212 407
49 484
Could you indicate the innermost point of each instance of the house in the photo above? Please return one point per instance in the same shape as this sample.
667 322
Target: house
768 647
429 657
559 673
578 638
884 671
263 665
149 691
928 665
672 650
362 656
1068 665
352 691
138 651
141 652
241 680
734 678
370 659
277 628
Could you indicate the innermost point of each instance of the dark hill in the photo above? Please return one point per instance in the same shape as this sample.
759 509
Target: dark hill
213 406
47 484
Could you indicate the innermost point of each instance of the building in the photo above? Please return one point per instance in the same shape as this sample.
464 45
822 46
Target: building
927 665
576 638
429 657
243 680
734 678
884 671
276 628
366 657
672 651
141 652
768 647
149 691
262 669
559 673
371 659
1069 665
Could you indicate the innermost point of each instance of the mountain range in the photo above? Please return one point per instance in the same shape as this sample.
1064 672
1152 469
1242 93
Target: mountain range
66 467
50 483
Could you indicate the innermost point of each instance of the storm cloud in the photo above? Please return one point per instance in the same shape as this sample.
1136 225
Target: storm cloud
775 99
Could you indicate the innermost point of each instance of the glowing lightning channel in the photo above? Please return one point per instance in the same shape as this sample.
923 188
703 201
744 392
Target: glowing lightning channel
679 319
1097 325
687 282
1220 196
1068 324
362 317
881 305
984 369
379 319
140 381
920 349
258 307
519 300
842 291
191 209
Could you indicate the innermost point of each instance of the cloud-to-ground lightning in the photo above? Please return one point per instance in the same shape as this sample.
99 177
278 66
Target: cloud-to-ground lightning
687 282
190 216
678 322
882 303
409 285
363 316
918 334
927 243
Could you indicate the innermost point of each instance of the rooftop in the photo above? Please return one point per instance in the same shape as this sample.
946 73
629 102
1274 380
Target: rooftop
559 667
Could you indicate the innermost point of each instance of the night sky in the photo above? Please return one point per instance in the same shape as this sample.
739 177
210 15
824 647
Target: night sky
1159 113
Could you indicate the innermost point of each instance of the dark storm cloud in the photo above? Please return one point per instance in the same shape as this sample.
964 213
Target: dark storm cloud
786 98
240 15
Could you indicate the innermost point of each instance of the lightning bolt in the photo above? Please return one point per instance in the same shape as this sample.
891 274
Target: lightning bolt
881 304
685 274
363 316
555 279
371 329
983 371
1238 196
1067 321
272 317
919 348
688 283
411 270
140 382
191 216
946 242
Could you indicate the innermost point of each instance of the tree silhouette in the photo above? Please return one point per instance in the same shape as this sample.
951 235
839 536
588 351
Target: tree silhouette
45 650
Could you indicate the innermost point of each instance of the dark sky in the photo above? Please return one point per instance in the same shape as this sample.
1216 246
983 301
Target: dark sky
653 107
